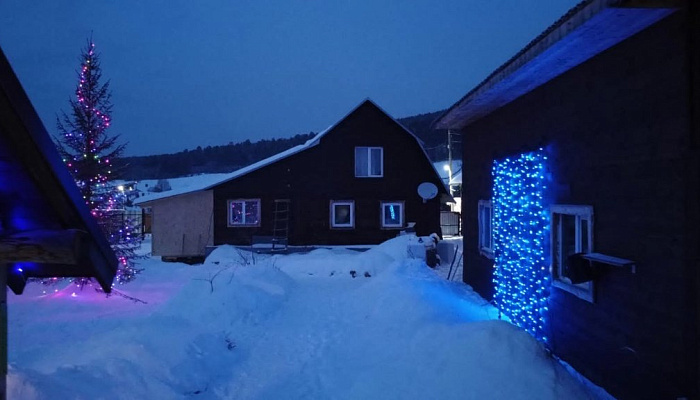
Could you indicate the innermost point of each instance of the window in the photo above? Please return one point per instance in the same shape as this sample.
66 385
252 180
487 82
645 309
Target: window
342 214
369 162
485 215
572 232
392 214
244 212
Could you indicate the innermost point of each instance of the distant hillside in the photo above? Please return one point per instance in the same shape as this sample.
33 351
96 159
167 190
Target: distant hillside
230 157
434 141
210 159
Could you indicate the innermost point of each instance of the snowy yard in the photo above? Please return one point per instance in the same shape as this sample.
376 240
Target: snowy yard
277 327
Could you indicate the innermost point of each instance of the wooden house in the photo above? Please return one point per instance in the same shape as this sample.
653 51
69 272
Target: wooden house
582 181
46 229
353 184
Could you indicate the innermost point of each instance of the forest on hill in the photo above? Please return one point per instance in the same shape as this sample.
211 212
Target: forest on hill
232 156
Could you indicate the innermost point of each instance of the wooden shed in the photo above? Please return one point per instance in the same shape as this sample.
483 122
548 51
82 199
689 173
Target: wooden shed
582 174
355 183
46 229
181 224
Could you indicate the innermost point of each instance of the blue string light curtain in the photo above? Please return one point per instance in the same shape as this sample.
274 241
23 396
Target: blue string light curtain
520 232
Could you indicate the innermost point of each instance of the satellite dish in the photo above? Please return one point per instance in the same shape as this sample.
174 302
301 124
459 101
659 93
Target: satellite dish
427 191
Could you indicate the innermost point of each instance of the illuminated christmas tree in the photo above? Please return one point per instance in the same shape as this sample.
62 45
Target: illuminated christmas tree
89 152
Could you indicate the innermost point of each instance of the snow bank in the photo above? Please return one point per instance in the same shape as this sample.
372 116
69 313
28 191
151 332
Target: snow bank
345 263
295 326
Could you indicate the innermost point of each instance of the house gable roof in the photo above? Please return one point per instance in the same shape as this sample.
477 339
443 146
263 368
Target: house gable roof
146 200
37 192
586 30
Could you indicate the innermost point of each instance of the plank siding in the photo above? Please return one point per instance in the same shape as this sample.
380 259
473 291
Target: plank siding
182 225
691 252
617 127
325 172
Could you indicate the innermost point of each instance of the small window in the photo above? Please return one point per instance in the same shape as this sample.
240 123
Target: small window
244 212
392 214
369 162
485 215
342 214
572 233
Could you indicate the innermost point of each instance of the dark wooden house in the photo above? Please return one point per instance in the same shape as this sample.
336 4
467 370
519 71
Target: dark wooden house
46 229
581 169
353 184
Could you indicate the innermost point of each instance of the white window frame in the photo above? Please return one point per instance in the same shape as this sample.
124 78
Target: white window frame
381 214
232 224
485 207
369 162
583 290
350 203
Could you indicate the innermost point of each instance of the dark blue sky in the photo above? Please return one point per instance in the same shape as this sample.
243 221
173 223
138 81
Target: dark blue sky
187 73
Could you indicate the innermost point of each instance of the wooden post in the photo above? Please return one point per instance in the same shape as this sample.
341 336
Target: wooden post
3 331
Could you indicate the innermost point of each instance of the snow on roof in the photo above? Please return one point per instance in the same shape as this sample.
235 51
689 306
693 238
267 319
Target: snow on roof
261 163
206 182
456 178
217 179
178 186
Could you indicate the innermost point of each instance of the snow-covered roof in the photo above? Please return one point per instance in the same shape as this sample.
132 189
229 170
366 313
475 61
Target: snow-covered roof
206 182
456 178
178 186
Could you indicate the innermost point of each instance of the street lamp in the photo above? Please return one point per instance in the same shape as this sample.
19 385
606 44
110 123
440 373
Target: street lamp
447 168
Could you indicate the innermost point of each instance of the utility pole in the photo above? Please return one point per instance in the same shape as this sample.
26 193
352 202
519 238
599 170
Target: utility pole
449 159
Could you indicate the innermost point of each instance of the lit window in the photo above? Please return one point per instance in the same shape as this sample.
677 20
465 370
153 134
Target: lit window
369 162
342 214
572 233
392 214
244 212
485 228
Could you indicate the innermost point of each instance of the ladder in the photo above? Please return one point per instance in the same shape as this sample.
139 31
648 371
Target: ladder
280 226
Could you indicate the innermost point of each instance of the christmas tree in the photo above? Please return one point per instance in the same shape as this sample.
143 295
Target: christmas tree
89 152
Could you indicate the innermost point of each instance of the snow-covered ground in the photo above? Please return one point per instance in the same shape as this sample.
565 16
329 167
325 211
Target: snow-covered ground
294 326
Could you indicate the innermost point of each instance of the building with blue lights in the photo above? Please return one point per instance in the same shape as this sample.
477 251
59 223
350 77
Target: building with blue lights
582 168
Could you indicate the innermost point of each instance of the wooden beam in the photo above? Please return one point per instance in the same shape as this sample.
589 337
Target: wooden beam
46 247
3 331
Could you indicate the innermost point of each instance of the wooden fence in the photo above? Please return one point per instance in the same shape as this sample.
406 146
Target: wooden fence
450 223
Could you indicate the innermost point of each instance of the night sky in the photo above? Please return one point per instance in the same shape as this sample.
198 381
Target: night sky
190 73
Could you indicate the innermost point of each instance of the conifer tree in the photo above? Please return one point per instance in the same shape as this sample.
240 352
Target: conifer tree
89 151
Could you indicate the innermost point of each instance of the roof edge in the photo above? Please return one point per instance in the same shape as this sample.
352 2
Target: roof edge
555 33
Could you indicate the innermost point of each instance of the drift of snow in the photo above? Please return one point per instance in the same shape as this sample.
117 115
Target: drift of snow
250 326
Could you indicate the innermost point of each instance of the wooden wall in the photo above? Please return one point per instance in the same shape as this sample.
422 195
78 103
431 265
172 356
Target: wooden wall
617 128
182 225
325 172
